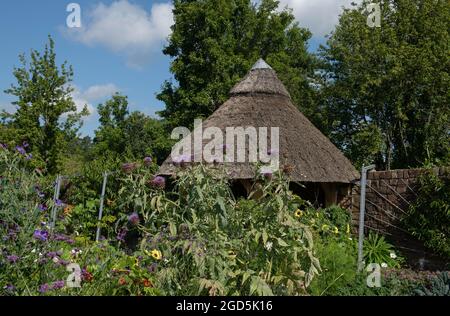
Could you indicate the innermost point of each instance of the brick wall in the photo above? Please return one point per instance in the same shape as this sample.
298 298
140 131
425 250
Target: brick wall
388 194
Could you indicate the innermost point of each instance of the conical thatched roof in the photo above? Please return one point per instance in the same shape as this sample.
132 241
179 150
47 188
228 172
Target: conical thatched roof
261 100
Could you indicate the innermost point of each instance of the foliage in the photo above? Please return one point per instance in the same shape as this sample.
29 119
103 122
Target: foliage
338 259
378 250
428 217
390 82
211 244
439 286
215 43
46 116
129 135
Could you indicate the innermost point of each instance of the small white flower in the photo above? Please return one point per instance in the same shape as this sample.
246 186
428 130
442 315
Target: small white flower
33 251
350 238
268 245
55 260
393 255
384 265
35 260
40 254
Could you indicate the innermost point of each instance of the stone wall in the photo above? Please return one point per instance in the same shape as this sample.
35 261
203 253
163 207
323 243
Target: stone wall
388 195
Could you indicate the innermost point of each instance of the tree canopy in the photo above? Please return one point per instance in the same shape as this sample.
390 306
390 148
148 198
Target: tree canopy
215 43
46 116
386 94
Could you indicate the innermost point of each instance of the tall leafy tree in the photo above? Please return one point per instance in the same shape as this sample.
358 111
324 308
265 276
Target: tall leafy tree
215 42
129 135
46 115
387 88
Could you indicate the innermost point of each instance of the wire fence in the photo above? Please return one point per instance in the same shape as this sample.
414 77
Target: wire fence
58 204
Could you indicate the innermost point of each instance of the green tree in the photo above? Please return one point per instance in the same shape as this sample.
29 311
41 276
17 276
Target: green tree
215 42
386 95
46 115
129 135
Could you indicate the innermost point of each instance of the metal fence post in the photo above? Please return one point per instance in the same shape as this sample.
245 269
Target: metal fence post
362 210
102 202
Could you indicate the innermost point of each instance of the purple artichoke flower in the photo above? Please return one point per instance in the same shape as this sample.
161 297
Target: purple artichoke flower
134 219
129 167
148 161
158 182
122 234
267 174
41 235
12 259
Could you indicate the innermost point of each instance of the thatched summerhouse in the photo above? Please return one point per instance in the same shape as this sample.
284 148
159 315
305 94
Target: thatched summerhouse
261 100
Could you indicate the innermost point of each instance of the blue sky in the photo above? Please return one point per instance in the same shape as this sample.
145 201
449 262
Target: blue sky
118 47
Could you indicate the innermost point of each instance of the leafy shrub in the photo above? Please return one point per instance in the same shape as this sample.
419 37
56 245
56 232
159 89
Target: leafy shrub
208 243
377 250
429 216
338 260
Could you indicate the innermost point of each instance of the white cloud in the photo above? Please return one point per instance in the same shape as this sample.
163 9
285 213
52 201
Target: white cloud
92 94
127 29
8 107
320 16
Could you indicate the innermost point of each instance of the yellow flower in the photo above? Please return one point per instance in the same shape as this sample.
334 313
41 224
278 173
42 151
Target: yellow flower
348 229
335 230
155 254
298 213
325 227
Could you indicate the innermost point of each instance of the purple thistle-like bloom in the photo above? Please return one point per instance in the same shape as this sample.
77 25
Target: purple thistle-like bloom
21 150
12 259
3 146
58 285
148 161
59 203
158 182
129 167
42 207
29 156
40 235
25 145
122 234
267 174
44 288
134 218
